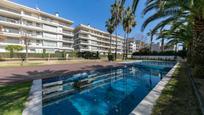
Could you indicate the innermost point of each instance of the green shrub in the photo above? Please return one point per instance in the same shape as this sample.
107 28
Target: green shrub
73 54
13 48
165 53
110 57
44 53
89 55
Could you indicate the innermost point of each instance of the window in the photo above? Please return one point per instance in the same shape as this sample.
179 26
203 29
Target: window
38 33
32 50
51 28
49 35
37 42
38 25
49 43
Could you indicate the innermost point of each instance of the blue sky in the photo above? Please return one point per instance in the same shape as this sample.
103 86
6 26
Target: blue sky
93 12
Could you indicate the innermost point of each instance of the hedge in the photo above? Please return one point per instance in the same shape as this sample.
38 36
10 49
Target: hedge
165 53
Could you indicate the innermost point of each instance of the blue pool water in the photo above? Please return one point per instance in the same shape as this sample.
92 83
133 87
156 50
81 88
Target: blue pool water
112 91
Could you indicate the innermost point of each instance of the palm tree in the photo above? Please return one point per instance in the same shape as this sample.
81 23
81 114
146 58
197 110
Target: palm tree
116 14
151 34
191 12
128 23
179 11
110 28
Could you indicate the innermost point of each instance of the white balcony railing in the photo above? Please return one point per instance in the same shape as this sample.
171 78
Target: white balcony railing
9 20
9 10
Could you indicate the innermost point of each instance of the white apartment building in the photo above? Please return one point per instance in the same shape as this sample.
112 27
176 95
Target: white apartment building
134 45
19 23
88 38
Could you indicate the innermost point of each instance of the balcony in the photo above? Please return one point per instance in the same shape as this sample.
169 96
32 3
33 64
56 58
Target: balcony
9 20
83 37
68 33
9 10
84 42
66 46
68 40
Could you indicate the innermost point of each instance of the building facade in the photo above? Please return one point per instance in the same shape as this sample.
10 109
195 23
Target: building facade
21 25
41 31
134 45
87 38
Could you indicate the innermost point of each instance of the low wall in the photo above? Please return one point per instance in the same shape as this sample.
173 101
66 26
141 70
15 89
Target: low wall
152 57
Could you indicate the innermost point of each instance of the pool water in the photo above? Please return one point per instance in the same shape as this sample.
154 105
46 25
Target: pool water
112 91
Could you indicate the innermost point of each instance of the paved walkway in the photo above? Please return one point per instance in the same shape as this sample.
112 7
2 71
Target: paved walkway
22 74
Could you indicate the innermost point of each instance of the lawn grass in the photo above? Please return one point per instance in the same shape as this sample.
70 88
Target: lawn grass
178 97
13 98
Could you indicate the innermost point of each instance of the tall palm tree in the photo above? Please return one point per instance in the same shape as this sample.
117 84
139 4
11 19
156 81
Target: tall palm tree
190 11
151 34
128 23
110 28
183 35
116 14
171 10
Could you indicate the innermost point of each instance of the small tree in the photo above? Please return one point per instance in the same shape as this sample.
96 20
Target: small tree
13 48
73 54
97 55
44 53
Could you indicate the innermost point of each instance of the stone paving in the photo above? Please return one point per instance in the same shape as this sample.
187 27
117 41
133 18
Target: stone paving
22 74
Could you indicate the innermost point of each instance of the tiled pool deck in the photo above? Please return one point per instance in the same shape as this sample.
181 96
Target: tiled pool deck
22 74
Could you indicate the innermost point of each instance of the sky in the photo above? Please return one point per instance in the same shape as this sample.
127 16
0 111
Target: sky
93 12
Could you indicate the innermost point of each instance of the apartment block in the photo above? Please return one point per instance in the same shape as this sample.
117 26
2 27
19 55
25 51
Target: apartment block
87 38
21 25
134 45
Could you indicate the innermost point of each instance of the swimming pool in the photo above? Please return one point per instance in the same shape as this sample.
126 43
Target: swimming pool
111 91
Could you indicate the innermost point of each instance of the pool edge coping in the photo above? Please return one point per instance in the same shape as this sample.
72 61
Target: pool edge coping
33 105
146 105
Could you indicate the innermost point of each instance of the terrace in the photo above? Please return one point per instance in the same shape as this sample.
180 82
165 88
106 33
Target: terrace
87 71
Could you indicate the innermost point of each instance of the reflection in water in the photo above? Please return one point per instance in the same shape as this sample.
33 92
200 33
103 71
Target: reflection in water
110 91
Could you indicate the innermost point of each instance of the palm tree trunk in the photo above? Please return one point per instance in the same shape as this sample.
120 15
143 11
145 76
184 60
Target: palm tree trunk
189 52
176 48
110 50
198 42
26 47
116 47
126 47
162 44
151 43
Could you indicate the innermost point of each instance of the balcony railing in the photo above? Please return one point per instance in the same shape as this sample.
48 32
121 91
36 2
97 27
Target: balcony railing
10 31
67 39
10 10
67 46
67 32
9 20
